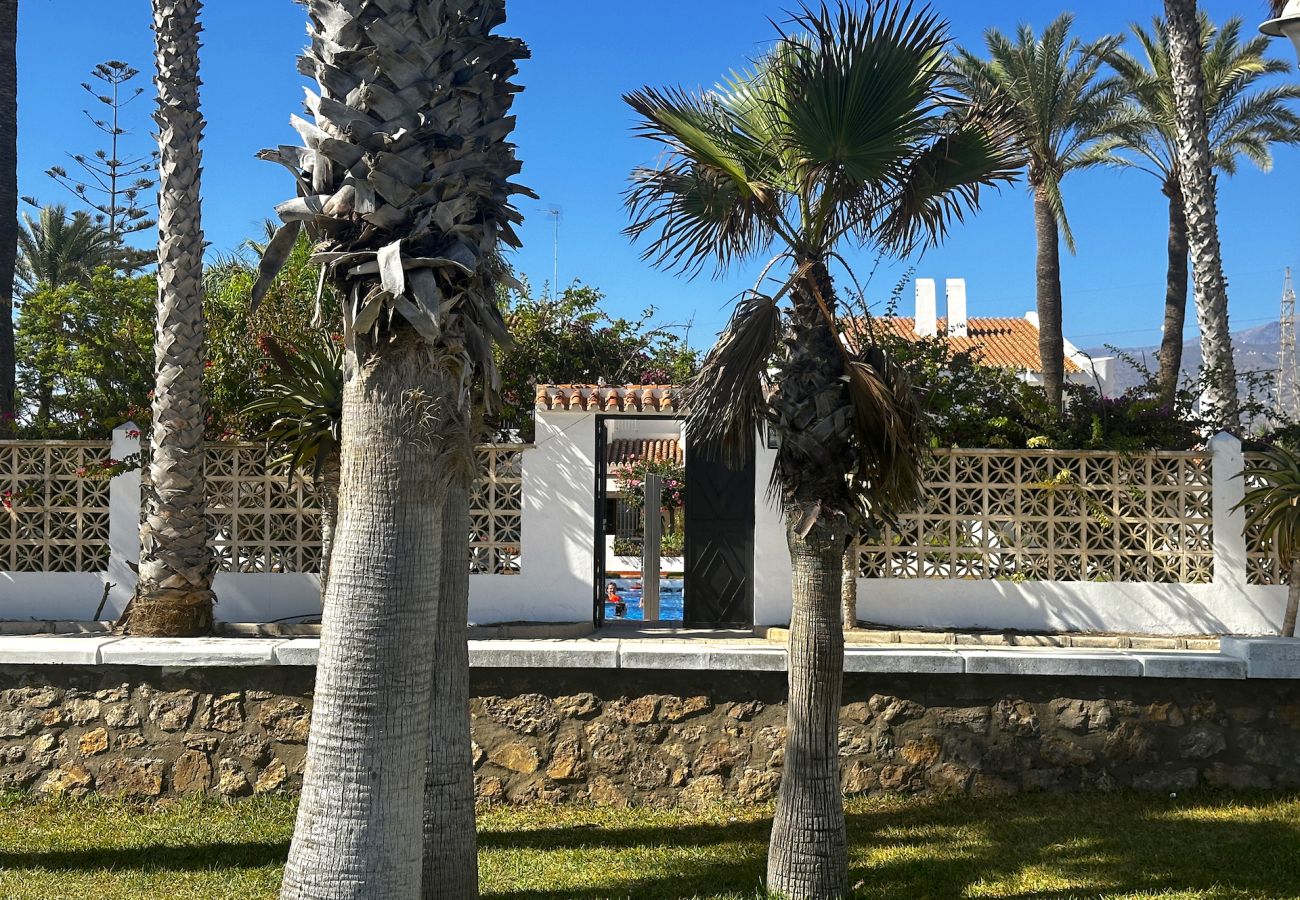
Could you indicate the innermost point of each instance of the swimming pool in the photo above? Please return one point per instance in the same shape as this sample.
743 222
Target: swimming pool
671 600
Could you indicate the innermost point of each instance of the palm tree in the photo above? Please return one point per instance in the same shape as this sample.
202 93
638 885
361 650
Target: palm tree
1200 202
55 250
404 186
1274 508
1050 87
174 595
8 205
301 405
844 131
1244 122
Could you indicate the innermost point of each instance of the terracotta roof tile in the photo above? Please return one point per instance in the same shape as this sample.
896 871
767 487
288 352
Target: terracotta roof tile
1009 343
630 398
654 449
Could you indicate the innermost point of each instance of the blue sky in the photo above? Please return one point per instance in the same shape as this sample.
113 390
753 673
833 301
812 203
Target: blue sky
576 144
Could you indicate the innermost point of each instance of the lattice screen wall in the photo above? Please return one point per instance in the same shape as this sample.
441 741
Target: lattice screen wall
265 522
1054 516
52 519
1262 564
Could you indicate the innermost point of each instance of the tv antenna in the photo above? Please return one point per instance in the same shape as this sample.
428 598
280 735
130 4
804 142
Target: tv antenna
555 214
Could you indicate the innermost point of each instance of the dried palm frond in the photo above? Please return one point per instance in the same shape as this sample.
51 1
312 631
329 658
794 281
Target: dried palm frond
727 400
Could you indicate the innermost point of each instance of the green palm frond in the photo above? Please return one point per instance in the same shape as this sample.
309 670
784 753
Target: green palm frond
1053 88
1274 505
57 249
1245 119
301 404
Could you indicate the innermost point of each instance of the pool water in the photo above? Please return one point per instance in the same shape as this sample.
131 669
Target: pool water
670 600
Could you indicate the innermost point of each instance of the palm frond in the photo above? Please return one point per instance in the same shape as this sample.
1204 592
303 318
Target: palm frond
301 404
1273 505
726 401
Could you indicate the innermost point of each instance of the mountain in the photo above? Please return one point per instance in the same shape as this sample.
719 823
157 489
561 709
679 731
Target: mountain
1253 350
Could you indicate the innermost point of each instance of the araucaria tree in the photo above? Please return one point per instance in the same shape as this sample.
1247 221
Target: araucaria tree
404 186
845 132
1201 204
1245 121
174 595
1051 88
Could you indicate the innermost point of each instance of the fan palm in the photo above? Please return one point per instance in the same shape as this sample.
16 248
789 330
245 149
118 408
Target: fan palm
8 205
1274 508
1220 403
844 131
404 186
56 249
174 594
1245 121
301 404
1053 90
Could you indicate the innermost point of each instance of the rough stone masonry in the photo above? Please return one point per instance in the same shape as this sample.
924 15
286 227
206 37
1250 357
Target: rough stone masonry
625 737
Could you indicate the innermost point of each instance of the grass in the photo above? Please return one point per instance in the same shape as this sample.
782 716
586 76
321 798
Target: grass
1042 846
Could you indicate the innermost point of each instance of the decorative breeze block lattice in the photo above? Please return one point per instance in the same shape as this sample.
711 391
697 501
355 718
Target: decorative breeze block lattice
53 519
1054 516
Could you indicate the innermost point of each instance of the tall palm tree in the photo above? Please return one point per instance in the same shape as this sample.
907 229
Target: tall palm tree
174 595
1245 121
843 132
8 204
1052 89
404 186
56 249
1201 204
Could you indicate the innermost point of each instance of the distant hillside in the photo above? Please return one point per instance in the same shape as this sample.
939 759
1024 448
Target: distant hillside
1253 350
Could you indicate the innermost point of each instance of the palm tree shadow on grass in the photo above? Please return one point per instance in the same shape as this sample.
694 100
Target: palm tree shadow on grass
151 858
1093 846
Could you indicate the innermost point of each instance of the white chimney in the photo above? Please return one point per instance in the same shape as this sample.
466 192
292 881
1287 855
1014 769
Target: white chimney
957 326
927 309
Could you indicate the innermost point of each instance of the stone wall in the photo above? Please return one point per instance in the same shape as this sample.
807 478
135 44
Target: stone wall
659 737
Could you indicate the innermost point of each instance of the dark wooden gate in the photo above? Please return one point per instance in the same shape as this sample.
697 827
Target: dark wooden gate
719 584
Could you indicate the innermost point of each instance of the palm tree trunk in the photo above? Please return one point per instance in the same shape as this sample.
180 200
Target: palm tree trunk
1201 205
1292 599
174 596
8 205
849 587
450 845
1171 344
1051 343
807 857
358 833
329 516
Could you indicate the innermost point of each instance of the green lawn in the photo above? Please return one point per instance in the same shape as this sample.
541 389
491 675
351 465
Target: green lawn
1043 846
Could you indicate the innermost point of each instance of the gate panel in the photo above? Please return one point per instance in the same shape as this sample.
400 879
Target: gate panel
719 583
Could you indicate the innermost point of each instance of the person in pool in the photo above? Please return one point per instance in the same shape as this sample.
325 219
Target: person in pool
611 596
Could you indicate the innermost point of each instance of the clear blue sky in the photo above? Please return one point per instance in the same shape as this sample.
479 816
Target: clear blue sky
575 141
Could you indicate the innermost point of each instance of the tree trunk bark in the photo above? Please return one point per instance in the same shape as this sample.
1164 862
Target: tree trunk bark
849 587
1201 205
1171 344
174 595
1292 599
329 516
450 843
807 857
8 206
1051 343
358 833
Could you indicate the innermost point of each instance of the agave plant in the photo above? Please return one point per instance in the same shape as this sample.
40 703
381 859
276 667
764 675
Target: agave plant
844 131
404 186
1273 506
302 406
